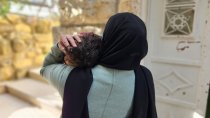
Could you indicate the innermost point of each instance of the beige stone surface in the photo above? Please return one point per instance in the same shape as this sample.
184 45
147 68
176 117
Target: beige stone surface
2 88
31 21
44 46
125 6
6 73
11 36
38 51
31 54
13 107
13 18
47 38
3 21
5 60
22 63
26 37
22 27
75 12
25 85
20 73
43 26
18 45
37 93
39 60
19 56
132 6
58 31
6 28
5 47
35 74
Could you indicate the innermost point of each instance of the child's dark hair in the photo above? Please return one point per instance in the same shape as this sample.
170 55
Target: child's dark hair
86 54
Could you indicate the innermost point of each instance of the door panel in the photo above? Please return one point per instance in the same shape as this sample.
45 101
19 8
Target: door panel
175 34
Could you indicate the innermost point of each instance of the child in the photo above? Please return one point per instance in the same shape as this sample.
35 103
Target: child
86 53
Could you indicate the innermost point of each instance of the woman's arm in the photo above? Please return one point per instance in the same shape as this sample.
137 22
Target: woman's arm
54 71
54 57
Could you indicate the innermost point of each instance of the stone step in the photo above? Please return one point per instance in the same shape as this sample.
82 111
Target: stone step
37 93
13 107
35 74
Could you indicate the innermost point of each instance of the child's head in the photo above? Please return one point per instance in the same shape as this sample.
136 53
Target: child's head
86 54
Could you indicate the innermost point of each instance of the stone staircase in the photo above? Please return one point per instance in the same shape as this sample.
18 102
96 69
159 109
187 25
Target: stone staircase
33 94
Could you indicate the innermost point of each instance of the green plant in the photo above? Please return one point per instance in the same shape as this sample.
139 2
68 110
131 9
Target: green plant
4 7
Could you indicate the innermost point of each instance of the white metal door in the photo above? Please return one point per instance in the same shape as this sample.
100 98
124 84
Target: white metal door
177 36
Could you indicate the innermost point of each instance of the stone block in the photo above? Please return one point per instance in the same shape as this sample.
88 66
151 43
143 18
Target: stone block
20 73
18 45
3 21
10 36
13 18
5 60
133 6
5 29
5 26
47 38
45 47
59 31
38 61
5 47
26 37
20 55
38 51
31 21
77 12
6 73
31 54
22 27
125 6
21 62
55 23
43 26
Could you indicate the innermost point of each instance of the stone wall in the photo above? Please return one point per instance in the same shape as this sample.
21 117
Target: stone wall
91 15
24 41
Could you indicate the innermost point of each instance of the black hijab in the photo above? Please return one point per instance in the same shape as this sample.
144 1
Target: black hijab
124 42
124 45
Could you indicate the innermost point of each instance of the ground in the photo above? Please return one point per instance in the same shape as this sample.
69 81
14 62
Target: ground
29 97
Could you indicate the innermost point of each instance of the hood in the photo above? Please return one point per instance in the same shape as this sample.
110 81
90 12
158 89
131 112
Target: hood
124 42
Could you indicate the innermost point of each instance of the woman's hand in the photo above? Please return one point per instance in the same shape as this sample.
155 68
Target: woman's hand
68 41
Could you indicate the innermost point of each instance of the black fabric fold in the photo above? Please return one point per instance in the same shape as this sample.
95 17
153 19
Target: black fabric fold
76 89
140 101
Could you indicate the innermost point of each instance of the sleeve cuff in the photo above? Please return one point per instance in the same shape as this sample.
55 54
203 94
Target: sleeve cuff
57 52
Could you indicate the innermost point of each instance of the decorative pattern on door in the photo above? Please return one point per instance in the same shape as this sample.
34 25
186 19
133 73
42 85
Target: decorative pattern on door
179 17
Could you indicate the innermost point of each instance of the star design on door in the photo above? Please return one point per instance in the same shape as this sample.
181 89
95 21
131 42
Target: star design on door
179 21
173 81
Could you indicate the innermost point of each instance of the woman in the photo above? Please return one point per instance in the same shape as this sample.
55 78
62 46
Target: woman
117 87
